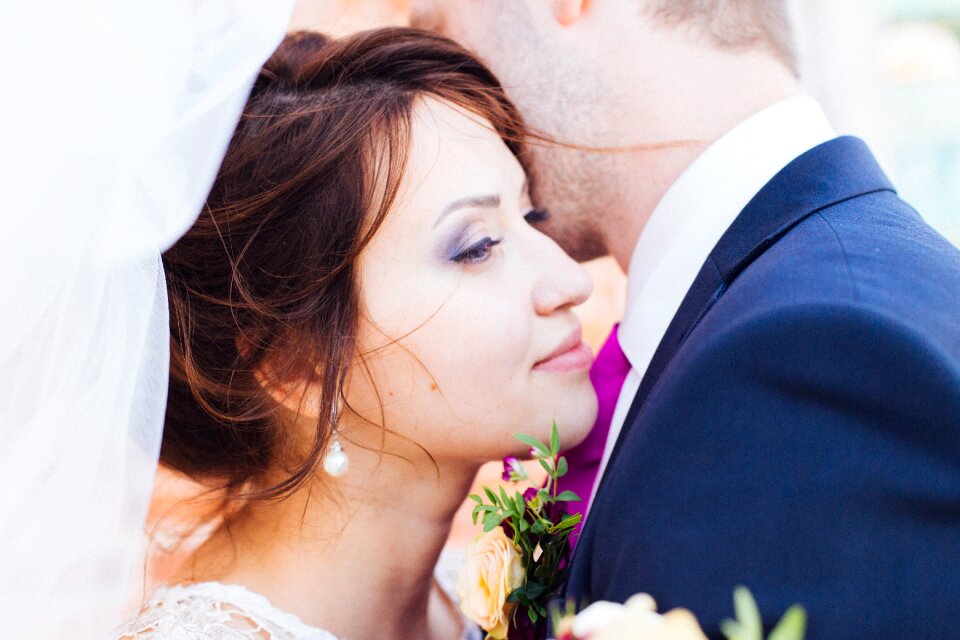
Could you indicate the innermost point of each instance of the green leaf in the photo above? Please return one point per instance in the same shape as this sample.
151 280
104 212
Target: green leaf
732 630
485 509
533 443
554 439
792 626
476 498
545 463
567 523
534 590
491 495
748 616
491 521
505 499
521 504
567 496
533 614
562 467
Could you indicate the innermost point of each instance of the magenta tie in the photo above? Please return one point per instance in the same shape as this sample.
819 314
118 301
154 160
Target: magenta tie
608 373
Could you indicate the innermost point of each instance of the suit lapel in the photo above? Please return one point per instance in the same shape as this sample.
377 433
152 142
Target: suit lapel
837 170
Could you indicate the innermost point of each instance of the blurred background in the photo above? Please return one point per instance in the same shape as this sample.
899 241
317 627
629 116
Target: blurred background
885 70
889 72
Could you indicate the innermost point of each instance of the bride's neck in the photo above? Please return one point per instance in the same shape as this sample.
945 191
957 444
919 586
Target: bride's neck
353 555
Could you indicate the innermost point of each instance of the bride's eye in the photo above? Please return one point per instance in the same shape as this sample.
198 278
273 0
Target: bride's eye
535 216
477 252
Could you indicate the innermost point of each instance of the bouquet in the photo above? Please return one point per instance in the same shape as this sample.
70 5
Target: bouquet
519 563
517 567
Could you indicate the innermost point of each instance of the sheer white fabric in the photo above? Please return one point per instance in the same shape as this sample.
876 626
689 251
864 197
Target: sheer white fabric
115 115
217 611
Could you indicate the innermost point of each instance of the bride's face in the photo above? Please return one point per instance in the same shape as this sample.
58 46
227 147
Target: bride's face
468 331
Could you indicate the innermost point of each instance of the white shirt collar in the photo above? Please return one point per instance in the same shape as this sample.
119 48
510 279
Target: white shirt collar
699 207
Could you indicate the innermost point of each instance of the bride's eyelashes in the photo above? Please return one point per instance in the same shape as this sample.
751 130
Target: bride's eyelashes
477 252
480 251
535 216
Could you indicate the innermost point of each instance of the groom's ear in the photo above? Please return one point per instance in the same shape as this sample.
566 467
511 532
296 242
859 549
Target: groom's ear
566 12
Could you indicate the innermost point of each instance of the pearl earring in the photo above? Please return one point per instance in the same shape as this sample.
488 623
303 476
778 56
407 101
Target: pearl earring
335 462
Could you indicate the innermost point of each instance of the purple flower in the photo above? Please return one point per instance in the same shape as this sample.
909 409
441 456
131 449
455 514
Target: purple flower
557 511
522 629
508 466
513 470
530 494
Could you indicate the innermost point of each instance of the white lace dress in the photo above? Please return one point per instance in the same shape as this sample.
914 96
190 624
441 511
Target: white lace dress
217 611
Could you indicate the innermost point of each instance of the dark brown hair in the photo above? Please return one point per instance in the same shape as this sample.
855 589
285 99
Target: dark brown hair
263 289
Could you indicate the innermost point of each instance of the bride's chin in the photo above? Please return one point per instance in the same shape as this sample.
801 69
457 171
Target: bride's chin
575 413
576 431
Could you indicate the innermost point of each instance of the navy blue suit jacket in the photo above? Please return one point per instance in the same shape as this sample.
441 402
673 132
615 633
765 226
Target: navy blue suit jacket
798 430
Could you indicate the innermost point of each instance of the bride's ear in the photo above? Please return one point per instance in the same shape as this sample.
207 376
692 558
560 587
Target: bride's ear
297 397
566 12
293 393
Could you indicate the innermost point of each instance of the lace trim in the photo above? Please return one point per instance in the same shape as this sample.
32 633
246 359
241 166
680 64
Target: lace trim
216 611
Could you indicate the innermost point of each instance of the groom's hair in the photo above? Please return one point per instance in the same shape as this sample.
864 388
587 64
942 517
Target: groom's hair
733 24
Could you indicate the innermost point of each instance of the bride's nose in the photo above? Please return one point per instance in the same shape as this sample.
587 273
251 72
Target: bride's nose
561 282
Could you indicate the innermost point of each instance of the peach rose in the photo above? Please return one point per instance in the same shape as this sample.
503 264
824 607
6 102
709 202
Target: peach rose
636 620
492 572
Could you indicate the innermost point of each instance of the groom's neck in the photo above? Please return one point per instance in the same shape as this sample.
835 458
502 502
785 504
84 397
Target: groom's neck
690 95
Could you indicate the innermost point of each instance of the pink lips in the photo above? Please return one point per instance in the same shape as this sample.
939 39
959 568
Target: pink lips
570 356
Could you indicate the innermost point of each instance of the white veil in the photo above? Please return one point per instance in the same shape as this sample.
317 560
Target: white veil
114 116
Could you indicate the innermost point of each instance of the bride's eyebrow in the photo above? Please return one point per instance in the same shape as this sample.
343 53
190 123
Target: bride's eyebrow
479 202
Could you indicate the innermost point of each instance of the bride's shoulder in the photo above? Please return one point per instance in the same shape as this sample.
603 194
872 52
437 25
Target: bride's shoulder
214 611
